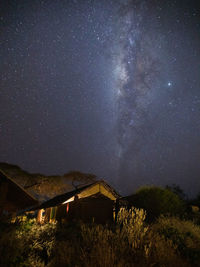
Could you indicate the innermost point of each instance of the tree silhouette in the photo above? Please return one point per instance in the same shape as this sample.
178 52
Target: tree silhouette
157 201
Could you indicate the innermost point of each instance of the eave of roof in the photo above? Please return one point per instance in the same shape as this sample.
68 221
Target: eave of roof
20 188
58 200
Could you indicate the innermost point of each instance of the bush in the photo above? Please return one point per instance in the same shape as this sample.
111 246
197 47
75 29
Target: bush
156 201
26 243
131 242
184 235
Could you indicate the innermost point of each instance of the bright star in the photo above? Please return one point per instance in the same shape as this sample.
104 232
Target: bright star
169 84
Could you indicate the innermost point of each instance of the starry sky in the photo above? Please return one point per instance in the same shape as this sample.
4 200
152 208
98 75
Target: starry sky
108 87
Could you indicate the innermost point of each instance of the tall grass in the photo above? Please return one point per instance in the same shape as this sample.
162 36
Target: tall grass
129 242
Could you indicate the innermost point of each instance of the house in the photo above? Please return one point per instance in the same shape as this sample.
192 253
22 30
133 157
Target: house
13 198
93 202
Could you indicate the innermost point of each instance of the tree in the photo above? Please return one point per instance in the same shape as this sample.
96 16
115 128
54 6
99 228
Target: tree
177 190
157 201
79 179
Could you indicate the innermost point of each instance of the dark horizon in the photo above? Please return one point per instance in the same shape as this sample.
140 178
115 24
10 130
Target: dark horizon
102 87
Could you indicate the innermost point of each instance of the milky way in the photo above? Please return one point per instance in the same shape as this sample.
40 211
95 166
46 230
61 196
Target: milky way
107 87
152 120
137 72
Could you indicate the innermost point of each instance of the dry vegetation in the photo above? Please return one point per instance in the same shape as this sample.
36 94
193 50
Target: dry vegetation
130 242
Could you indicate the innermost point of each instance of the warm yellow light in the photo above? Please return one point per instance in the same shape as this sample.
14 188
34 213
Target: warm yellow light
69 200
40 215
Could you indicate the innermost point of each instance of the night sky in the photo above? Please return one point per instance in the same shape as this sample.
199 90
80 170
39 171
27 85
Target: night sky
108 87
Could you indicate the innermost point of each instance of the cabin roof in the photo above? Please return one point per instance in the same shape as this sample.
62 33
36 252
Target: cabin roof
58 200
16 194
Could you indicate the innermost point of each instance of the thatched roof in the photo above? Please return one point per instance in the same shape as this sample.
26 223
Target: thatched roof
16 198
58 200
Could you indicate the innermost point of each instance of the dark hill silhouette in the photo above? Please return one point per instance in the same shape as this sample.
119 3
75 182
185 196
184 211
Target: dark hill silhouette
44 187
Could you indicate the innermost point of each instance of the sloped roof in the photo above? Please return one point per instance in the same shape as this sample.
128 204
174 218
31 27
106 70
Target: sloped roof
58 200
20 198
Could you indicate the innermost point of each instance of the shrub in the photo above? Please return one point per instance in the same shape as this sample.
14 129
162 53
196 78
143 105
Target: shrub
156 201
131 242
26 243
185 236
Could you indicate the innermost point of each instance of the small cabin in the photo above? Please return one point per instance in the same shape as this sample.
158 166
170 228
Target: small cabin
93 202
13 198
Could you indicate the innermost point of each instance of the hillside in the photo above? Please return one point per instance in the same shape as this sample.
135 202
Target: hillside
44 187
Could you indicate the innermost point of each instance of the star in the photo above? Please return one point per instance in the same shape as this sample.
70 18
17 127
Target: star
169 84
104 87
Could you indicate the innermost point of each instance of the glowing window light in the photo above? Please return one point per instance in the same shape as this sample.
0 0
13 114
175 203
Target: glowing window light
69 200
67 209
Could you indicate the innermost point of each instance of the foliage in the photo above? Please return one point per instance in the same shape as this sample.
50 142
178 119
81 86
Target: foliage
133 227
26 243
80 177
197 200
185 235
156 201
177 190
130 242
101 244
